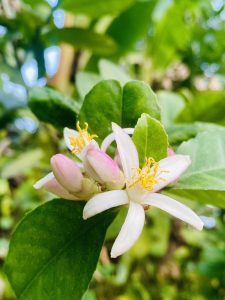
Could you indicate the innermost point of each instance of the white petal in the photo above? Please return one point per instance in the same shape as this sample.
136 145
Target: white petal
40 183
67 132
174 208
51 185
127 151
130 230
170 169
104 201
111 137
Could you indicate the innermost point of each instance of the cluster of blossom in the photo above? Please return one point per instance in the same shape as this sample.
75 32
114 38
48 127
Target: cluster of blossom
106 183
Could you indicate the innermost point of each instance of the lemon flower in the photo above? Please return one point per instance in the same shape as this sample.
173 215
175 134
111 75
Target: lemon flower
80 141
71 180
142 191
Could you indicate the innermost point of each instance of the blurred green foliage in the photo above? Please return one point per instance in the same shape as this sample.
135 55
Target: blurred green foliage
175 46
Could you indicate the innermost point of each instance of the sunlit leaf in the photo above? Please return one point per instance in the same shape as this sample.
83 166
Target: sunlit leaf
102 105
107 103
150 139
138 98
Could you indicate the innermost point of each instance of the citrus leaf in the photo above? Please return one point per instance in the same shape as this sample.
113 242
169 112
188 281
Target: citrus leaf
138 98
53 107
150 139
53 251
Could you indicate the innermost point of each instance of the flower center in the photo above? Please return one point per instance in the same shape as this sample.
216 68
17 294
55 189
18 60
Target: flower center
147 176
82 140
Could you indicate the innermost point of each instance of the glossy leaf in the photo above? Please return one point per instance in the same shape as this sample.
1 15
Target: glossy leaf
53 107
52 247
150 139
107 103
138 98
102 106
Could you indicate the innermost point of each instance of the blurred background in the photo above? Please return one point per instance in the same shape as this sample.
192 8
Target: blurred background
175 46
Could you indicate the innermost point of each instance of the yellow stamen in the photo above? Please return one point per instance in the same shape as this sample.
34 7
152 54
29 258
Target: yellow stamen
147 175
79 142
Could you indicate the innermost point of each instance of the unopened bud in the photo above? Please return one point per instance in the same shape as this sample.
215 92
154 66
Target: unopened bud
67 173
103 169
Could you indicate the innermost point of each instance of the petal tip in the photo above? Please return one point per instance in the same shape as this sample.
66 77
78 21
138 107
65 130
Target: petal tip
36 186
113 254
85 217
85 214
188 159
200 225
115 126
41 182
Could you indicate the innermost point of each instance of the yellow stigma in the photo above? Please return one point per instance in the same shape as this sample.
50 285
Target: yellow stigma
79 142
147 175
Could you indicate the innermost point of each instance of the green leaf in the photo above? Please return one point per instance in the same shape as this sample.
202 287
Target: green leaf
179 133
85 81
53 251
207 170
138 98
207 106
215 198
170 34
131 25
53 107
84 39
102 105
204 180
96 8
106 103
150 139
109 70
171 105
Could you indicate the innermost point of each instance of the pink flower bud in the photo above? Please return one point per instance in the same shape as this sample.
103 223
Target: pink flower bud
170 152
54 187
103 169
67 173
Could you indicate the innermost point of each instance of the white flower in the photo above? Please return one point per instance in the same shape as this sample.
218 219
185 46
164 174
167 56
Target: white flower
72 180
79 141
142 187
